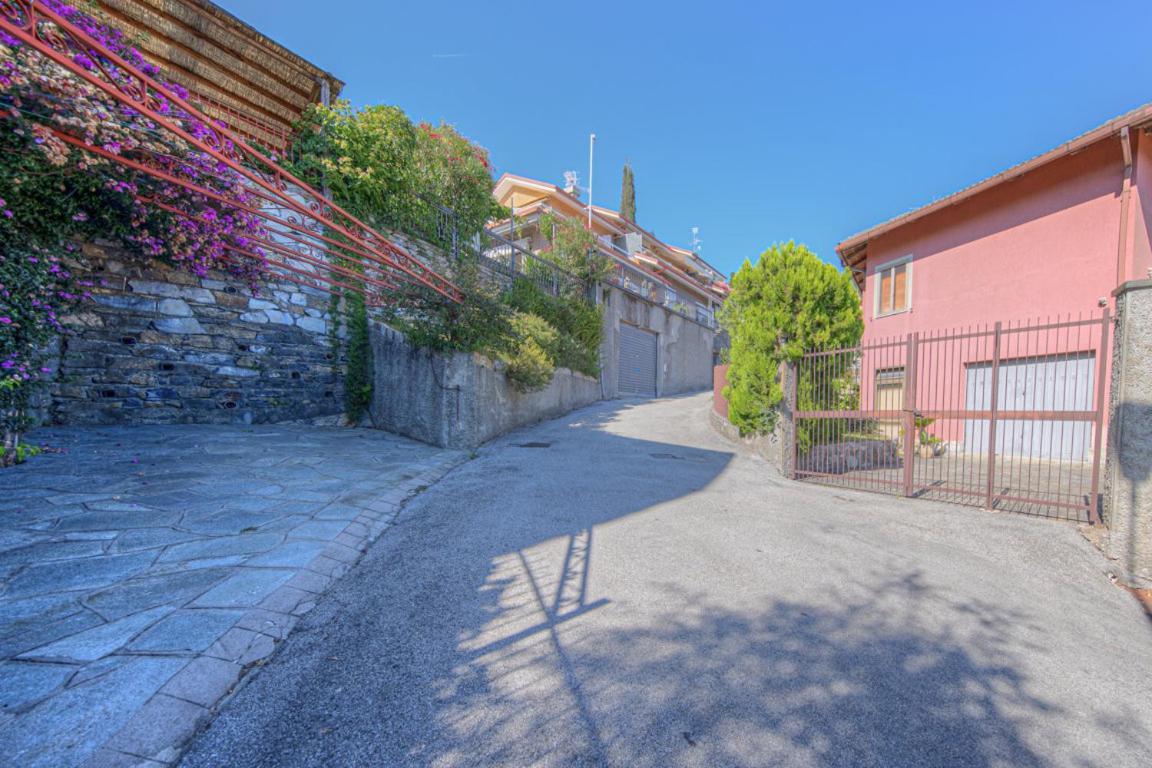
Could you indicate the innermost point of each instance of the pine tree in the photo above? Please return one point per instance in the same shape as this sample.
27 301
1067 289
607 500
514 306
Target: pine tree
628 195
787 302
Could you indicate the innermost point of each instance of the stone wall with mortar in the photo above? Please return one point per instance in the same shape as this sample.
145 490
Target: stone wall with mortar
158 344
1128 473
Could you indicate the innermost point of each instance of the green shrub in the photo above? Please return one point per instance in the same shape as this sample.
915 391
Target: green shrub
17 454
389 172
528 363
578 325
787 302
574 248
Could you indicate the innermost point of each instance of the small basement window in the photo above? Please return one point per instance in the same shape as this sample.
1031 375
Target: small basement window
893 287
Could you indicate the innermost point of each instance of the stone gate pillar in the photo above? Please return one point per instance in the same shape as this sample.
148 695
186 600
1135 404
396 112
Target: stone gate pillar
1128 471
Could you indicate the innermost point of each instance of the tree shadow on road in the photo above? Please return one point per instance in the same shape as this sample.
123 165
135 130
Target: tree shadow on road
469 637
867 683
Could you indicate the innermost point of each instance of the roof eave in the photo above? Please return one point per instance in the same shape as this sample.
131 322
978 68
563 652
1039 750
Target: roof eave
856 245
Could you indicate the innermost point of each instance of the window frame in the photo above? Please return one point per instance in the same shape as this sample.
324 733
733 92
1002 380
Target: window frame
878 272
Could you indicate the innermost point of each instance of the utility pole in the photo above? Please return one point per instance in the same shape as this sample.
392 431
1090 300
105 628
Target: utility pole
591 155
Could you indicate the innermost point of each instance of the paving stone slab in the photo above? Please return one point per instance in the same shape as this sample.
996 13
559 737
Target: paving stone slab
186 631
323 530
46 608
95 643
159 728
289 600
22 684
66 728
148 591
151 538
97 669
295 554
29 634
242 646
272 623
52 550
244 589
339 511
66 575
204 681
115 521
240 544
228 522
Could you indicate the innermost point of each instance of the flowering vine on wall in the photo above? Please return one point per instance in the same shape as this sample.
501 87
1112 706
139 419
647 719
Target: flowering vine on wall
55 194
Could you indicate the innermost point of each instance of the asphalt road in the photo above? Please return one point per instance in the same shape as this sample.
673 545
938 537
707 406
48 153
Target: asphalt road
619 588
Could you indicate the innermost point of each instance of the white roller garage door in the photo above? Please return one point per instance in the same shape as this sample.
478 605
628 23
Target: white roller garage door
1061 383
637 362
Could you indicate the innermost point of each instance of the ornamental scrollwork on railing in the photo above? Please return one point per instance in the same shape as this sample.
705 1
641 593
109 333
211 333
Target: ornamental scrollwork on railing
18 13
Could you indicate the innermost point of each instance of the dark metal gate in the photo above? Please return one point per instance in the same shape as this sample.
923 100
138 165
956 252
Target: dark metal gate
1008 417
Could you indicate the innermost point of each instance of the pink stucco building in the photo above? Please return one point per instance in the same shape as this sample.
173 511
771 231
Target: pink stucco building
1053 235
1047 239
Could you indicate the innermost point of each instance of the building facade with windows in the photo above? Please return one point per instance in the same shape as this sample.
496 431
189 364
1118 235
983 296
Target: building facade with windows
659 302
676 278
1051 236
1044 242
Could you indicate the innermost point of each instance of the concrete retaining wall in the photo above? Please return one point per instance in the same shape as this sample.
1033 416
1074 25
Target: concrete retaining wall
1128 473
460 400
684 349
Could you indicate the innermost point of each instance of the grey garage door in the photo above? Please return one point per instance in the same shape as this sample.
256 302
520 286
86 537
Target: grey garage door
1061 383
637 362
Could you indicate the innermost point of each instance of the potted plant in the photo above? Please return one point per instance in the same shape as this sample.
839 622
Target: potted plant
929 446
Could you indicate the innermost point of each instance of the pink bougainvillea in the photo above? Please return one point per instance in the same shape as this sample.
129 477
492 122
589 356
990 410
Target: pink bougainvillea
55 192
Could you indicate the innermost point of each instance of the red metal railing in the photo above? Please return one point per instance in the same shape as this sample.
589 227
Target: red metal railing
311 240
1007 417
251 128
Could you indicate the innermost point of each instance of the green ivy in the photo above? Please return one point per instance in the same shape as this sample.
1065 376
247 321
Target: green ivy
358 378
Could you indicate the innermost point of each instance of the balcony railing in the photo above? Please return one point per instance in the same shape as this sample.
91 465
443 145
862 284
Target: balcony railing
636 282
500 261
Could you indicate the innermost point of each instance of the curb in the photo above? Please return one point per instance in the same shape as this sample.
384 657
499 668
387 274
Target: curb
766 447
157 733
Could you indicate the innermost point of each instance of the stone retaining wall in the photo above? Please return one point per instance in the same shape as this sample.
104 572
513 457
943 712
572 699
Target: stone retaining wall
159 345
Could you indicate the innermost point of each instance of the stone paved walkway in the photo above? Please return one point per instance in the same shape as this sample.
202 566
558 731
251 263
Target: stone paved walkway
144 569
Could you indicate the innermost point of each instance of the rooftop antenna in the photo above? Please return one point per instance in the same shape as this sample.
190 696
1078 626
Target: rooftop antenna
591 155
572 183
696 241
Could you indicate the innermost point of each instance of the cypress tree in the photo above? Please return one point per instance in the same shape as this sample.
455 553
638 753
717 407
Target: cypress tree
628 195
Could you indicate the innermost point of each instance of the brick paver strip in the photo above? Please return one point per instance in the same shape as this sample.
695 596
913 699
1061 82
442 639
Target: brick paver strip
203 545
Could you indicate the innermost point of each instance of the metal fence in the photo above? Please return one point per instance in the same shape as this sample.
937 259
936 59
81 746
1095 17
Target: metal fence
1008 417
640 284
499 262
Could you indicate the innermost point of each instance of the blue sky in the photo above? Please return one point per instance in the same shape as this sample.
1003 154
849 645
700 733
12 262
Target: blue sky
756 122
